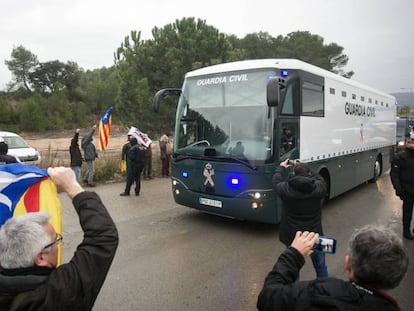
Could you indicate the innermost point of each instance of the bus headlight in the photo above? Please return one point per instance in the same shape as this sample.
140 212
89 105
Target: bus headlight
257 195
256 205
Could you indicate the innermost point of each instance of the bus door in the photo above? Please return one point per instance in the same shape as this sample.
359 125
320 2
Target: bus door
288 139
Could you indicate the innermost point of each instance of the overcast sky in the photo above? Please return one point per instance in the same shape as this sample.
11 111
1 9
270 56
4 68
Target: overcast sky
377 35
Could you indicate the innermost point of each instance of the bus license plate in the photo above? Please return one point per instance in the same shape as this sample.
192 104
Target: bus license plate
210 202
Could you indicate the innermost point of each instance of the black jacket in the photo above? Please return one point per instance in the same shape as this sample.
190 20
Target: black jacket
282 292
402 172
301 197
76 284
135 153
74 150
7 159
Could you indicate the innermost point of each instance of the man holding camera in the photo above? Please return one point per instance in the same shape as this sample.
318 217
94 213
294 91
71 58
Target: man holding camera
377 262
302 194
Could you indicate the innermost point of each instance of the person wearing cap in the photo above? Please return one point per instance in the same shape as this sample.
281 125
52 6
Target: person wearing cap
402 178
4 157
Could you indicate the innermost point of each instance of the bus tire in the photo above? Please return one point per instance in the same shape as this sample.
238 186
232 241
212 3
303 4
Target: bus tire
377 170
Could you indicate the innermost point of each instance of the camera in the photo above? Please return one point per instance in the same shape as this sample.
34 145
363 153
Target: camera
326 245
292 162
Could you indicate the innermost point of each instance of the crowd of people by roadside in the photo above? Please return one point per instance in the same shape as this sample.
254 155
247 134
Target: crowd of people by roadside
136 162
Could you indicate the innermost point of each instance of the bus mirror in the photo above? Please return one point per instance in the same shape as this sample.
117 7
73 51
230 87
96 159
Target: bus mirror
161 94
272 91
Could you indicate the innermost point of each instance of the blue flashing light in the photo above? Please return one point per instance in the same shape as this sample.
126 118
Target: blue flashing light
184 174
234 181
284 73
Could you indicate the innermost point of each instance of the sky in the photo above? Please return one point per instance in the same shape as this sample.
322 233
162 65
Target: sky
377 35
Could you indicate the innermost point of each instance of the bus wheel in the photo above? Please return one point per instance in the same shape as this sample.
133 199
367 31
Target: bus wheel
377 170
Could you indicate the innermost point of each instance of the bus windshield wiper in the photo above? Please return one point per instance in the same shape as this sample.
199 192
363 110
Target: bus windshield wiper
184 156
238 160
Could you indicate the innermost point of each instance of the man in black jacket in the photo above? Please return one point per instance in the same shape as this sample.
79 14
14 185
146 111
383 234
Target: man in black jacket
76 155
377 262
29 278
301 194
135 154
402 178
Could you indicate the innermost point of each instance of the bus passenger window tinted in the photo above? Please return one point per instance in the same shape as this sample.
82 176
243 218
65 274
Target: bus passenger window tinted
312 100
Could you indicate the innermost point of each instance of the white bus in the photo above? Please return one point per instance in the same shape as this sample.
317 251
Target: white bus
235 122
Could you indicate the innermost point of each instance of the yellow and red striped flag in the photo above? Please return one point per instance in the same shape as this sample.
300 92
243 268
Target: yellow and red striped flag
27 189
105 129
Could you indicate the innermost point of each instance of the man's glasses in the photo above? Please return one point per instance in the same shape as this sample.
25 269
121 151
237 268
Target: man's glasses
58 239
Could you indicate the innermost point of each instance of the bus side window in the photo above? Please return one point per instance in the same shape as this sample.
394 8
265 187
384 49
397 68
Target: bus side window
312 100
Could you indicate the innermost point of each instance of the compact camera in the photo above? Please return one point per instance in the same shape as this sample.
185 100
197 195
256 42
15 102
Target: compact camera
292 162
326 245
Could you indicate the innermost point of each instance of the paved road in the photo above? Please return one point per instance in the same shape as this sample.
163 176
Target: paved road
174 258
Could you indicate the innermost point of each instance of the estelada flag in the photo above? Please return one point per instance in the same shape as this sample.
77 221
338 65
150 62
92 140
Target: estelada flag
26 189
105 129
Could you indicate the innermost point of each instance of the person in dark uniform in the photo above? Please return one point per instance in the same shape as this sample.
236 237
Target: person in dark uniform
402 178
135 164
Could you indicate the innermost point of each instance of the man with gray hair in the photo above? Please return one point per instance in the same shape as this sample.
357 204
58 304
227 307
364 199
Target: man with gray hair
376 262
29 276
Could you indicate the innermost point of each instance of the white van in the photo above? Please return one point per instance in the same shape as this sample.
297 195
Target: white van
20 149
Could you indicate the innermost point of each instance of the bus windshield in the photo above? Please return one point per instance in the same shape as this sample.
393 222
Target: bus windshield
226 112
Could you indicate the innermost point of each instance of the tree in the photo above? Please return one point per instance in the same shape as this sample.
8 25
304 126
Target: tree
98 89
404 111
144 67
55 76
257 45
32 116
310 48
22 63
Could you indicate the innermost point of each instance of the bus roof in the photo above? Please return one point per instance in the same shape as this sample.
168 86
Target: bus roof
281 64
